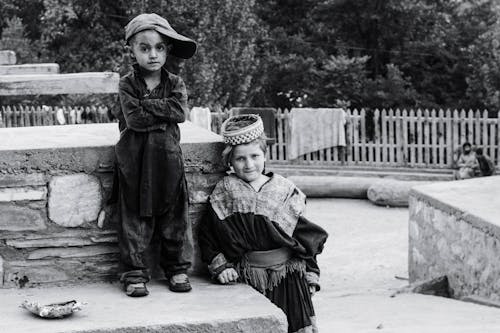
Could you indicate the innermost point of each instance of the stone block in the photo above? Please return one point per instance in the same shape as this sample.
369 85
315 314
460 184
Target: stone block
48 242
49 68
28 276
20 218
201 186
22 179
74 199
55 84
8 194
72 252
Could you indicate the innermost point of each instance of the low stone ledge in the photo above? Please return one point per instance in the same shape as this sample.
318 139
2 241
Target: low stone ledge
207 308
454 231
334 186
62 230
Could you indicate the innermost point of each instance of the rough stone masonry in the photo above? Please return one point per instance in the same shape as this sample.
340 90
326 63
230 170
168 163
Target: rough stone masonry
55 225
454 230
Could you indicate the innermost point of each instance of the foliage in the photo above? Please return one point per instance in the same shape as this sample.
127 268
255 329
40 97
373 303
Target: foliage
359 53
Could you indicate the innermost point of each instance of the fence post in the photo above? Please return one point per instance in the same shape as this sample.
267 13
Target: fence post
498 139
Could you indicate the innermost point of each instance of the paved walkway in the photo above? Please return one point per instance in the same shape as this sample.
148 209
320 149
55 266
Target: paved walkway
367 249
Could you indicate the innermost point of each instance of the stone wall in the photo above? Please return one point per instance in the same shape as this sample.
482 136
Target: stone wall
55 224
454 230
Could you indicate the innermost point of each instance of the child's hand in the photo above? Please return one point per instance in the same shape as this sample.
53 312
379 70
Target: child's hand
312 290
227 275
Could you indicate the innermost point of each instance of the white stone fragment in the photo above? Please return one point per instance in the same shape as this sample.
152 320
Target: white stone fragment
23 193
74 199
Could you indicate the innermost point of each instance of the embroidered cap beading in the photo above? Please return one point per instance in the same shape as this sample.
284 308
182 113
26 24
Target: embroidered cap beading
241 129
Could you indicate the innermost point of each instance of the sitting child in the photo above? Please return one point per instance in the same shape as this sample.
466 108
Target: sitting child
486 166
255 231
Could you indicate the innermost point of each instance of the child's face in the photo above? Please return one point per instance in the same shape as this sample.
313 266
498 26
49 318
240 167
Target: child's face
248 161
150 50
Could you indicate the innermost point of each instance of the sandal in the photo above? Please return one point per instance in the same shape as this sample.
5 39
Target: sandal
136 289
179 283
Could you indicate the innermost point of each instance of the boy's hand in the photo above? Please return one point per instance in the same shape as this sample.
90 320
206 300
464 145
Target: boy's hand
312 290
227 275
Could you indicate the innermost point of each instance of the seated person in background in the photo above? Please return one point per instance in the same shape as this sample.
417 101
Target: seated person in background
467 163
486 167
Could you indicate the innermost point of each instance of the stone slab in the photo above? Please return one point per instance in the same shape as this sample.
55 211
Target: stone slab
72 252
51 242
24 179
24 217
74 199
55 84
23 193
476 200
49 68
89 148
7 58
208 308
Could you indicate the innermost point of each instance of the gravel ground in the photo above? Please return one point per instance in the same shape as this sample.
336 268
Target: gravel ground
366 251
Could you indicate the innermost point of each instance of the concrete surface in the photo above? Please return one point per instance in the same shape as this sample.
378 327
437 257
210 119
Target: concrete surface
208 308
366 250
477 200
84 135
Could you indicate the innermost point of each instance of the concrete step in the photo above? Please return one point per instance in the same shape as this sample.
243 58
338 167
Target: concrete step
207 308
351 171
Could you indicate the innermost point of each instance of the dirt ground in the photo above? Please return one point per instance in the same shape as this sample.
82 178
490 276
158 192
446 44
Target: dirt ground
366 251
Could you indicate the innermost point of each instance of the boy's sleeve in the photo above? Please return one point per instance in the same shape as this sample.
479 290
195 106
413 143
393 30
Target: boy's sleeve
172 108
312 238
211 252
136 117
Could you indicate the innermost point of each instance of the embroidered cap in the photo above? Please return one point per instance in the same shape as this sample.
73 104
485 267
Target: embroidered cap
183 47
241 129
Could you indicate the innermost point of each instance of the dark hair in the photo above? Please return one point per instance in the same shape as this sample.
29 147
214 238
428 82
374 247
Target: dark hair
227 153
467 144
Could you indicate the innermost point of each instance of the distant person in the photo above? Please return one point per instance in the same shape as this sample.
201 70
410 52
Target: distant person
486 166
152 189
467 162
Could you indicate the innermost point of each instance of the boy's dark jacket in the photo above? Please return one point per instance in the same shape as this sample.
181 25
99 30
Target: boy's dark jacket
149 158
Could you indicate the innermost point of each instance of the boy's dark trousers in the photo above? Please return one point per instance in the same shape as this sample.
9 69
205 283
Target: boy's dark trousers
137 233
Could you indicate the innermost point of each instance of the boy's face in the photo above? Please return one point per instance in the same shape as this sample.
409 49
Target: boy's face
248 161
149 49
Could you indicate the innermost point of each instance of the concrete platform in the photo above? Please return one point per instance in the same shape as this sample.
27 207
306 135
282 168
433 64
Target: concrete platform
208 308
454 230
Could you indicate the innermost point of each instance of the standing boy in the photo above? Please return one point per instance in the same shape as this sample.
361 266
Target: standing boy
152 195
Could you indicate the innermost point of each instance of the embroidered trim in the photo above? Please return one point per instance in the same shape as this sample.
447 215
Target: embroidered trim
313 279
218 264
279 200
266 278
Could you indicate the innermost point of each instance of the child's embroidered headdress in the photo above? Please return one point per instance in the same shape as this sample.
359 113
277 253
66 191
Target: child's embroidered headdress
241 129
183 47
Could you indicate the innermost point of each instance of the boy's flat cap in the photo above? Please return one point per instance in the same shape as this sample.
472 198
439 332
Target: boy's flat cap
183 47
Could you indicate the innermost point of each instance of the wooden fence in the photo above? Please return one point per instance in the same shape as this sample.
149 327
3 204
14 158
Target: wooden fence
395 138
21 116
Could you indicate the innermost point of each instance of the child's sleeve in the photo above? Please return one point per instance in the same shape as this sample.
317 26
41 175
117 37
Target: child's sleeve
211 251
172 108
135 116
312 238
